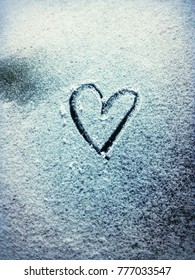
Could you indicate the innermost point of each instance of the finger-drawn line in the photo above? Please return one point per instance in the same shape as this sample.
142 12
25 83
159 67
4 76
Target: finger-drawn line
104 110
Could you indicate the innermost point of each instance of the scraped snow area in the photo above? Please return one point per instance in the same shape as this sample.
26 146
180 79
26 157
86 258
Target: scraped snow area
59 198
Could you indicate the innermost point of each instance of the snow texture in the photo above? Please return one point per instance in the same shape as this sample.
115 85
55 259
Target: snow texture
59 198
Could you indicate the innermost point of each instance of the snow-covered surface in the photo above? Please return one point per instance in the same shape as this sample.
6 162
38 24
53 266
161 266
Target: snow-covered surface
59 199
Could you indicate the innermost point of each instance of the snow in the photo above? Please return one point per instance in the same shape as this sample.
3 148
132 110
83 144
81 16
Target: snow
59 198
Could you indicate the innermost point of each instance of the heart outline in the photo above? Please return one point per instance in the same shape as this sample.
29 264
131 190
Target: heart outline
105 107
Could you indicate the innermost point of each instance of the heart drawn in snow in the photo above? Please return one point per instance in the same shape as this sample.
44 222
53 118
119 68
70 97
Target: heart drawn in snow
94 119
